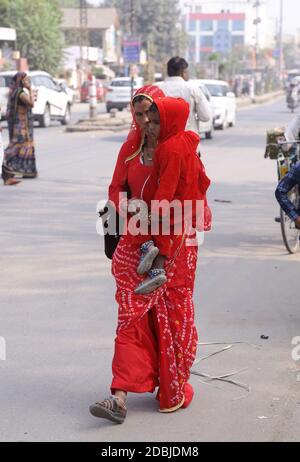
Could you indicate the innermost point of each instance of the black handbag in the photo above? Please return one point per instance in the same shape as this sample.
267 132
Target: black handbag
112 223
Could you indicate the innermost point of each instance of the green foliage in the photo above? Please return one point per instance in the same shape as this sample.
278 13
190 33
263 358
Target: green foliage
73 4
156 22
39 37
68 3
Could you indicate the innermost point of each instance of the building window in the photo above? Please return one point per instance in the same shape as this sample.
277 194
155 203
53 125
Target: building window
237 40
222 41
238 25
206 25
192 48
206 41
223 24
192 25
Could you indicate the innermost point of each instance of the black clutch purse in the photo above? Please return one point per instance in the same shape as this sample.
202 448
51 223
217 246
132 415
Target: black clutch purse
112 224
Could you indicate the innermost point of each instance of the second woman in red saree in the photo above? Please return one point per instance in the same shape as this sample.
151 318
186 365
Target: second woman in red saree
156 339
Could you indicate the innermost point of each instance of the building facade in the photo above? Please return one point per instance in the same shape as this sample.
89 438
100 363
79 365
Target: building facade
222 27
214 33
102 31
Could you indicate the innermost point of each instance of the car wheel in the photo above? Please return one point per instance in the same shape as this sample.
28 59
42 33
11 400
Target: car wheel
46 117
209 135
225 123
232 124
67 117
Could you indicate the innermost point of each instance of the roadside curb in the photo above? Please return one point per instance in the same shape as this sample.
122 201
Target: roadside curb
246 102
122 121
103 122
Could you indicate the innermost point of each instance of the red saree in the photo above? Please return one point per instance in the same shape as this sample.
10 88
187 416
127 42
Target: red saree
156 336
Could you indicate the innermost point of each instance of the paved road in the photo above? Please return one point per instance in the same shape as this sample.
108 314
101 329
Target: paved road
58 313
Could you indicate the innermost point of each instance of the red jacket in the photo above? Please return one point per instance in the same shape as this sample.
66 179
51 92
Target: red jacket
178 173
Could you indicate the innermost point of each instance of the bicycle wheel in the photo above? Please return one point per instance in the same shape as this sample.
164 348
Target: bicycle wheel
290 233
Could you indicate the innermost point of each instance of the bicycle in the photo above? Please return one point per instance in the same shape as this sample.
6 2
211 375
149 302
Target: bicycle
285 161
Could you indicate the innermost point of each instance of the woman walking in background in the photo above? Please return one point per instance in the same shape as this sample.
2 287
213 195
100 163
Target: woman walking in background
19 156
1 142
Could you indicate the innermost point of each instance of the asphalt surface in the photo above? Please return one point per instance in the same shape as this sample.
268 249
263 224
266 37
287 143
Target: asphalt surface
58 314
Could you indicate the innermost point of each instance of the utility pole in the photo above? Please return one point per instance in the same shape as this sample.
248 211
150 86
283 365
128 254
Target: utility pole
256 22
281 57
83 30
131 22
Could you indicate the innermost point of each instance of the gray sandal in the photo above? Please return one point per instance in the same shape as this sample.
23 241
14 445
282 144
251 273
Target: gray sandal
112 408
149 253
156 278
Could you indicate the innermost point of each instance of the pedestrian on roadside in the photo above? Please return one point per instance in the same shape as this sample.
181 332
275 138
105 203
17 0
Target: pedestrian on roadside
19 156
150 350
1 141
177 86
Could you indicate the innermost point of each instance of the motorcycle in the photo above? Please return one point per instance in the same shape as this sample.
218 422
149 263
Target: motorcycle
292 100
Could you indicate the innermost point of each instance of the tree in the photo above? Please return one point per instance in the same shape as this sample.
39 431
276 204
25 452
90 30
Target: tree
156 22
38 26
73 4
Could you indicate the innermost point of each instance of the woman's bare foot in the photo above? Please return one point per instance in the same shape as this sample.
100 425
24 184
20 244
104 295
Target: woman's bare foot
11 182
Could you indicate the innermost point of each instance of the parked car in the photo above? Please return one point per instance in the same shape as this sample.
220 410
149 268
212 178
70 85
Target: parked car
224 103
100 91
52 101
70 92
118 94
3 95
205 128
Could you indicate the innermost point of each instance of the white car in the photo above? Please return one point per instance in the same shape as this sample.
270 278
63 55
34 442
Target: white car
224 103
205 128
70 92
3 94
52 101
118 94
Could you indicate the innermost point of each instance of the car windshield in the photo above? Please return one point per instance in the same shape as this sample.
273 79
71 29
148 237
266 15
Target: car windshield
217 90
5 80
122 83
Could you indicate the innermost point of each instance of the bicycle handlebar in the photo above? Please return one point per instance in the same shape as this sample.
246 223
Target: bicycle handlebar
282 143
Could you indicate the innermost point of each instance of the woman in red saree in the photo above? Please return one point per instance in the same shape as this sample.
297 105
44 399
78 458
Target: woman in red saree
156 339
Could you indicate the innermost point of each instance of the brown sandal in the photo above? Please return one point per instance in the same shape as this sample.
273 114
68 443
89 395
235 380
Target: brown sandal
112 408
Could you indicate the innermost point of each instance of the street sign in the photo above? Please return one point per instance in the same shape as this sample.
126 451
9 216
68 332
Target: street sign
8 34
131 50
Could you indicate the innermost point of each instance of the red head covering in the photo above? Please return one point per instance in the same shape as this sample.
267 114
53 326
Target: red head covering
131 148
135 136
178 173
173 113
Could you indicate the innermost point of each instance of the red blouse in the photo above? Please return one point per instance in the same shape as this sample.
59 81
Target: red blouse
129 176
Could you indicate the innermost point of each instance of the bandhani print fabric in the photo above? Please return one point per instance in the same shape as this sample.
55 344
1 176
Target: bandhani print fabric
169 312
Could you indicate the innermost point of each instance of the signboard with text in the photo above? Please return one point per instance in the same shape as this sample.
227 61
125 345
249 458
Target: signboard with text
131 50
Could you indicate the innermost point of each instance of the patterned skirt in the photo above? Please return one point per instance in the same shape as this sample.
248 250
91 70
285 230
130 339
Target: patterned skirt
19 161
19 156
156 338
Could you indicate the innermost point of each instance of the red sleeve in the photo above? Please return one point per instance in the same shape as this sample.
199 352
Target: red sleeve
169 165
118 183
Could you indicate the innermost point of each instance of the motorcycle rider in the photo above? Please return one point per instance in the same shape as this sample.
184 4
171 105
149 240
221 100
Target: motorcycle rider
293 94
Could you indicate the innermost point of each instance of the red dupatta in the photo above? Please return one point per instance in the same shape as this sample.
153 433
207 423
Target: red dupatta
131 148
178 172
